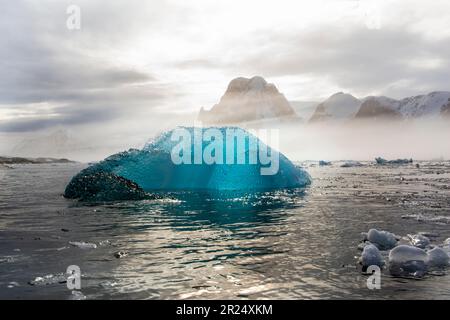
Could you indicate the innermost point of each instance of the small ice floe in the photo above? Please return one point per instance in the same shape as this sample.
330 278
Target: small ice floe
83 245
49 279
419 241
12 284
371 256
438 219
383 240
350 164
381 161
77 295
324 163
438 258
408 261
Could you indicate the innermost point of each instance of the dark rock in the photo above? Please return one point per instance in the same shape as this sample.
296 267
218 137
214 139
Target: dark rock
103 186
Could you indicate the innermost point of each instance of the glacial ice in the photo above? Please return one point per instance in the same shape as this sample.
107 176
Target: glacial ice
408 261
419 241
381 161
371 256
133 173
438 258
382 239
351 164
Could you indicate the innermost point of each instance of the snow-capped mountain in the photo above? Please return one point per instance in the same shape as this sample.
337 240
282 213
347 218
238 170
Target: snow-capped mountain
430 105
337 107
248 100
341 106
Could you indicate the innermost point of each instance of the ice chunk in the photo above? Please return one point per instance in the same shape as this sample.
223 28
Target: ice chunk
382 161
350 164
382 239
408 261
49 279
324 163
83 245
371 256
153 168
419 241
438 258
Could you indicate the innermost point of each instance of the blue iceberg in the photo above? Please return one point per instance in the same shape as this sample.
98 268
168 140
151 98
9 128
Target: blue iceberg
199 161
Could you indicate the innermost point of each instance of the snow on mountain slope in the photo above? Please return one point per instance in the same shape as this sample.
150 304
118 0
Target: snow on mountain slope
430 105
337 107
247 100
424 105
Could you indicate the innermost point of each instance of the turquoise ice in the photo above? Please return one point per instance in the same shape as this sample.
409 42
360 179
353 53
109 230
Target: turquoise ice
153 168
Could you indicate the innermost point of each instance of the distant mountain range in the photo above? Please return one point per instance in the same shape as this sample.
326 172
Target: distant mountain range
253 99
345 106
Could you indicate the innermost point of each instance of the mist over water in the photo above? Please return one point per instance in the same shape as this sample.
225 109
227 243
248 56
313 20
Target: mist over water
363 140
423 140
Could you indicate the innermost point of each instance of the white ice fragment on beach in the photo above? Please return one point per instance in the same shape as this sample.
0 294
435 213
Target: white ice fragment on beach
408 261
48 279
438 258
419 241
77 295
371 256
382 239
83 245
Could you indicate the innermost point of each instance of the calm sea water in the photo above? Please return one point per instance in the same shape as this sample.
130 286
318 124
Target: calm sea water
297 244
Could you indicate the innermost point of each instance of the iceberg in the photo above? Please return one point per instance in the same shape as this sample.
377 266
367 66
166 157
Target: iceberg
351 164
324 163
199 161
381 161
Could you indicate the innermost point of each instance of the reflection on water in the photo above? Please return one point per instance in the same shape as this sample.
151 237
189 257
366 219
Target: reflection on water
277 244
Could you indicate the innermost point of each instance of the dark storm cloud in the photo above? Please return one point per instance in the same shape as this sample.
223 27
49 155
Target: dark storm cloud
42 61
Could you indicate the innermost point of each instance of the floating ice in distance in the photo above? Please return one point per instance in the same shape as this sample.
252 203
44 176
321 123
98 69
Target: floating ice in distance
408 261
83 245
153 168
324 163
382 161
350 164
382 239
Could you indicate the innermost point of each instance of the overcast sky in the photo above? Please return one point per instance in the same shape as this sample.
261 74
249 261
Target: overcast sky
132 59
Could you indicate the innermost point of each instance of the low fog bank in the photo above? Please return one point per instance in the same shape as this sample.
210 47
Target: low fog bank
420 140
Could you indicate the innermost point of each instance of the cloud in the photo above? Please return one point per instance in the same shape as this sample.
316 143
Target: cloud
356 58
74 73
132 58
